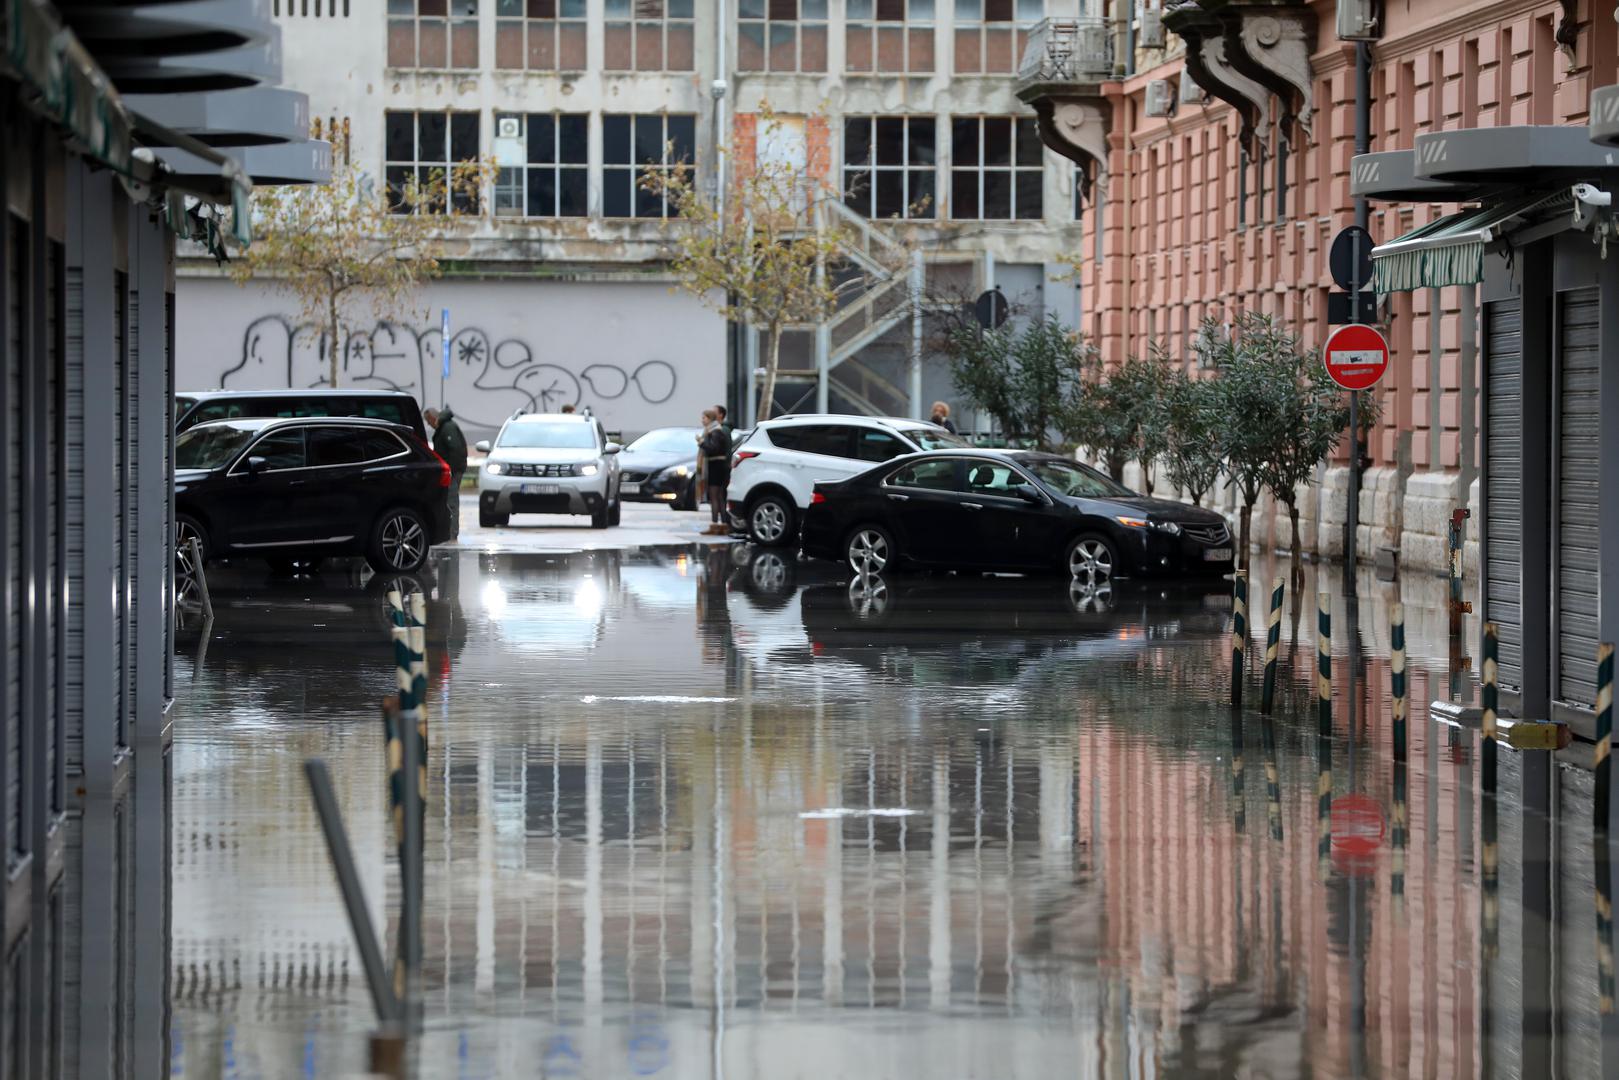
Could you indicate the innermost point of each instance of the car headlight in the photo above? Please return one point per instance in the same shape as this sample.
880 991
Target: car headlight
493 468
1146 523
682 470
588 469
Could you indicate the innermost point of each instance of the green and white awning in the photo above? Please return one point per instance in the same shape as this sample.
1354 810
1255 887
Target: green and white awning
1450 251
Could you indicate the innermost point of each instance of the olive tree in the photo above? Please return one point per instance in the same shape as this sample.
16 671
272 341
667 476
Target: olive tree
1194 447
1027 379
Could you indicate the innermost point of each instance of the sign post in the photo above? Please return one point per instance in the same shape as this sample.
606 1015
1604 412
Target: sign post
444 333
1356 357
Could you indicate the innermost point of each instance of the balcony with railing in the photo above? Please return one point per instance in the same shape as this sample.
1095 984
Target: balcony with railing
1064 66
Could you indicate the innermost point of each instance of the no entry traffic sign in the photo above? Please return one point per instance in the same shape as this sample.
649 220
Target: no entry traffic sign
1356 356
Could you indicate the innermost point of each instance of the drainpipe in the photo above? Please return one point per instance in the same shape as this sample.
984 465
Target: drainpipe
1363 145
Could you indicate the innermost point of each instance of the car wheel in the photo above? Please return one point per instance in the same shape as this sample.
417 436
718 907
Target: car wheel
770 520
1091 558
295 564
187 529
488 519
870 550
399 542
598 518
616 514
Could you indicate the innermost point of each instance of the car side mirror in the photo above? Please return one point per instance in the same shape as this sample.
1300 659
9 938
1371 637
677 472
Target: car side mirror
254 464
482 446
1028 494
611 448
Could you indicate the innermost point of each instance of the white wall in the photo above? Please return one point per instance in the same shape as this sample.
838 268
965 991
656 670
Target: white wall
639 354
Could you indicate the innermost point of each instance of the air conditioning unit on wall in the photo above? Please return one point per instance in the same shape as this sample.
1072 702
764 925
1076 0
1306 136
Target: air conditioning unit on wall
509 127
1152 29
1191 93
1357 20
1160 98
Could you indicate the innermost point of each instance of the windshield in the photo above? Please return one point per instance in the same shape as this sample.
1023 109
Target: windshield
544 436
936 438
1071 478
669 439
211 446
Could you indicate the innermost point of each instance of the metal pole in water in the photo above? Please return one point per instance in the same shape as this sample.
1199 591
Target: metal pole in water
1273 644
1604 906
1604 703
1487 761
1397 678
1323 683
348 881
1239 801
1239 633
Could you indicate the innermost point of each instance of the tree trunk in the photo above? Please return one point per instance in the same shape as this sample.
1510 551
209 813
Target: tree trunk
1298 551
1243 557
1115 469
1147 477
334 352
767 392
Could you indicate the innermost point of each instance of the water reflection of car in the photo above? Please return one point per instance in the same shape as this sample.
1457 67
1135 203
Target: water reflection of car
300 490
658 466
1009 510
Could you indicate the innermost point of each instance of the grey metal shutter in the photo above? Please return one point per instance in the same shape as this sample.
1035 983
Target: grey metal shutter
134 336
73 523
11 498
50 587
120 487
1579 423
1503 494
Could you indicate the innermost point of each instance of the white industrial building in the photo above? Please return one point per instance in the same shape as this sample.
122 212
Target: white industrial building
556 288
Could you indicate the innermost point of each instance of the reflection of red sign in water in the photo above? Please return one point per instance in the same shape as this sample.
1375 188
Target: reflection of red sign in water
1357 833
1356 356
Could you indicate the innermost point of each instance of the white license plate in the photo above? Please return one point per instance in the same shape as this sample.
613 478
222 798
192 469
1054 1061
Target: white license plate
630 488
1217 555
540 489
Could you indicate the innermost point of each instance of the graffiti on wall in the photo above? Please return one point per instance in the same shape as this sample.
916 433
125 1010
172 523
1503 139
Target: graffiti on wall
489 379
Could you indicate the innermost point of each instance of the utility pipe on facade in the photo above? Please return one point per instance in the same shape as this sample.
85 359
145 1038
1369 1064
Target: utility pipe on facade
1363 145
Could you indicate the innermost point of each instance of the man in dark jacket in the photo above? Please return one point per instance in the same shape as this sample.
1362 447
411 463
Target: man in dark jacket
451 445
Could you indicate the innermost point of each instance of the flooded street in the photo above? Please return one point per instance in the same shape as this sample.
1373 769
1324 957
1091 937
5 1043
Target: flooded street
706 811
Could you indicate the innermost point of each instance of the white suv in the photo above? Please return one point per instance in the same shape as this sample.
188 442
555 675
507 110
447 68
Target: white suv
774 471
549 463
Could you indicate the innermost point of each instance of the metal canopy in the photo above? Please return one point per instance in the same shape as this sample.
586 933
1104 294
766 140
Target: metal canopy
1604 127
1450 251
306 162
169 29
1390 176
226 69
1533 155
249 117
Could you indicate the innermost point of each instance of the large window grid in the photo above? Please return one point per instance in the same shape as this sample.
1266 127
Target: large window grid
781 35
997 169
540 35
991 34
433 34
632 147
888 166
544 165
428 146
890 36
648 35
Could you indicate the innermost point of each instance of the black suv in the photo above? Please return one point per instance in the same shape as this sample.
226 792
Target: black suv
293 491
200 406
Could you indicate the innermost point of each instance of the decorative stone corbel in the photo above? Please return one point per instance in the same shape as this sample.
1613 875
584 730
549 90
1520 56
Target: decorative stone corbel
1077 130
1272 46
1206 60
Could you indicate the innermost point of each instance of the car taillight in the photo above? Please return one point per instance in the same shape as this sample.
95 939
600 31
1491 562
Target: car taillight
817 497
743 455
443 471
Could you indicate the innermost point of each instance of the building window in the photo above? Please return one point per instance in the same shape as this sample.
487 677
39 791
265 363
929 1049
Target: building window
890 36
633 146
991 34
997 168
781 35
648 35
888 166
1282 155
544 165
427 146
540 35
435 34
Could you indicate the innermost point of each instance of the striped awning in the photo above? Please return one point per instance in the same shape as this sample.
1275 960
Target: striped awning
1450 251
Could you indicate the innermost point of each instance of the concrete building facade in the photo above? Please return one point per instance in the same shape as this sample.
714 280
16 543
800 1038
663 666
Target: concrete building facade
909 107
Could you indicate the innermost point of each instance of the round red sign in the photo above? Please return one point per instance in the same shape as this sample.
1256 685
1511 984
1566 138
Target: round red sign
1356 356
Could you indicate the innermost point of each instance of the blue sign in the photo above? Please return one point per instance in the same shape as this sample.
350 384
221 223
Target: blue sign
444 332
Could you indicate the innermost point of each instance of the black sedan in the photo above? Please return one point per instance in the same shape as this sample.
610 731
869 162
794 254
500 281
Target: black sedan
293 491
658 466
997 510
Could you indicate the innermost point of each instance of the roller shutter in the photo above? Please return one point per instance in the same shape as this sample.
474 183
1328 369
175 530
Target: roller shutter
11 497
73 526
1503 493
1578 467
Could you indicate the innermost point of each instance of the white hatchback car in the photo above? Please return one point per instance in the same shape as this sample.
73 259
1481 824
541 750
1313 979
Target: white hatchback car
773 472
549 463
